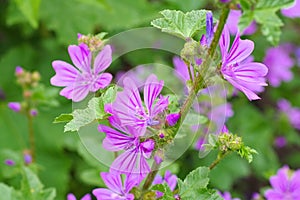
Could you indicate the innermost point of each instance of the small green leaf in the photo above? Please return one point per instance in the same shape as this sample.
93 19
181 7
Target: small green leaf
164 188
194 181
273 4
183 25
63 118
30 9
94 110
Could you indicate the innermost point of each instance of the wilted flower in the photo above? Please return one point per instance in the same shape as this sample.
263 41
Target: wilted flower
116 189
285 185
247 77
83 78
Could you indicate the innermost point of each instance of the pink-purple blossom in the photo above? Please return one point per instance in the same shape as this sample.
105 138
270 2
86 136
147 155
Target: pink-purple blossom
279 63
293 113
84 76
71 196
129 108
125 138
280 141
248 77
227 196
169 178
15 106
172 118
285 185
233 20
19 71
116 189
293 11
9 162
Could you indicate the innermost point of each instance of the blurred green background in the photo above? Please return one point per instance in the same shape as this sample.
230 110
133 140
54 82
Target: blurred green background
33 33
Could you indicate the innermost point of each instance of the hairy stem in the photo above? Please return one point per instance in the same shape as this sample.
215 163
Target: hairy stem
199 80
218 159
151 176
31 134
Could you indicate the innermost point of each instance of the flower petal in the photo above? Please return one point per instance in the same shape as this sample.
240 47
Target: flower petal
101 82
105 194
71 196
114 140
224 43
76 93
113 181
152 89
66 74
103 59
81 57
239 50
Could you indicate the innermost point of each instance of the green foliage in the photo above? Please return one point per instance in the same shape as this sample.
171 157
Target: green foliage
183 25
195 186
94 111
30 10
264 13
164 188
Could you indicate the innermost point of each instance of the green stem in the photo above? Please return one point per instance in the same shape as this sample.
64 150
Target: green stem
151 176
31 134
219 158
199 80
189 70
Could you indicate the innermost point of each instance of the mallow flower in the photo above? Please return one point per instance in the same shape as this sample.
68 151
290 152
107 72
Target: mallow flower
71 196
129 108
285 185
245 76
84 76
233 21
279 63
116 189
293 113
136 151
293 11
227 196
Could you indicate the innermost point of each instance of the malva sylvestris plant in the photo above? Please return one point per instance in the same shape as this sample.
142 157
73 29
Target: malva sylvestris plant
140 124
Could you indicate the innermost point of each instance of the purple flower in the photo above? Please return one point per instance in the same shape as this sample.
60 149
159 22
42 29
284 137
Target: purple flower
133 159
285 185
227 196
116 190
15 106
181 70
19 71
225 1
85 197
172 118
292 113
128 106
280 141
33 112
247 77
9 162
292 11
279 62
233 20
169 178
206 39
27 158
83 78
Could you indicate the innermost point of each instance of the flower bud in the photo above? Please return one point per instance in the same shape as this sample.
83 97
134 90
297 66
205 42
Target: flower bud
19 71
15 106
9 162
33 112
172 118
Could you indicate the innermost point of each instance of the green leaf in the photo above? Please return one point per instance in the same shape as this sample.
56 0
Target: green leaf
194 181
30 9
183 25
63 118
82 117
94 110
264 13
164 188
273 4
32 188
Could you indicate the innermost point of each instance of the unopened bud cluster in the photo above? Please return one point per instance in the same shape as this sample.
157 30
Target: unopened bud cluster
94 42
